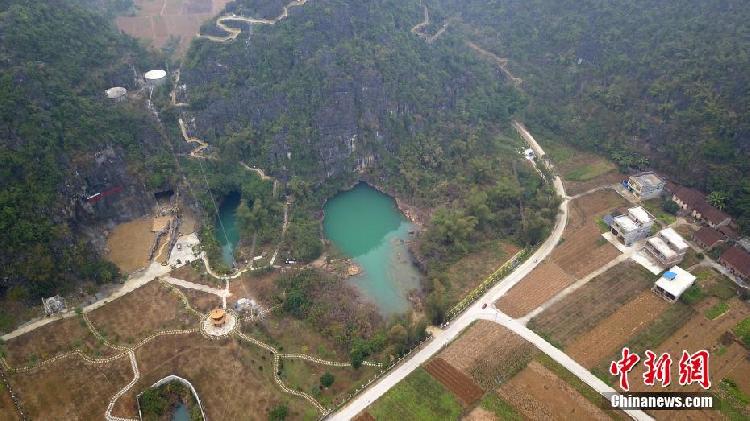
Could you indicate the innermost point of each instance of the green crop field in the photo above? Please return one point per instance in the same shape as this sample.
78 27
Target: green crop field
417 397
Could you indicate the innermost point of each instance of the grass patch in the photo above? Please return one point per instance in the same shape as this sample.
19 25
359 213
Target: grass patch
717 310
733 403
498 406
742 330
655 207
603 227
693 295
589 171
418 397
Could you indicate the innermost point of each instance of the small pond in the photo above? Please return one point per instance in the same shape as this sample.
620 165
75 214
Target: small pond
367 225
228 219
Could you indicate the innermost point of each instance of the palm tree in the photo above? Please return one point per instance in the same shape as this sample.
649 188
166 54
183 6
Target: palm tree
717 199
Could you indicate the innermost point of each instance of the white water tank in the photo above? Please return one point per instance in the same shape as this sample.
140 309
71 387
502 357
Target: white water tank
155 77
118 93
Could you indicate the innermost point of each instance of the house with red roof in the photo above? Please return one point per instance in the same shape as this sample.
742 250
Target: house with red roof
708 238
737 261
695 203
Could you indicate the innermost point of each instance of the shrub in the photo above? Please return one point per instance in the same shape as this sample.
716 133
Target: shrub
327 379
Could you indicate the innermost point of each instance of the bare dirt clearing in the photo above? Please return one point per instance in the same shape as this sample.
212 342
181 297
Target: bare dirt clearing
150 308
52 339
605 338
582 310
70 389
454 380
537 393
489 353
130 243
467 273
232 379
157 20
535 289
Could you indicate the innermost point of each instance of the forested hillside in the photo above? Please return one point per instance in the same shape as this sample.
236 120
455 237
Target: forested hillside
62 140
660 84
344 90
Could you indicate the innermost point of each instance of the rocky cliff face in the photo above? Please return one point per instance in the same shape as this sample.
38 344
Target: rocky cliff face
334 89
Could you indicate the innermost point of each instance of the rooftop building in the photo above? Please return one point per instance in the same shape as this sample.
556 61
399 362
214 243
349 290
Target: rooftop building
737 261
646 186
632 226
708 237
695 203
667 247
673 283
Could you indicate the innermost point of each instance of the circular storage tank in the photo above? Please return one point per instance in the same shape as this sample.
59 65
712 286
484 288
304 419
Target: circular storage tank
117 93
155 74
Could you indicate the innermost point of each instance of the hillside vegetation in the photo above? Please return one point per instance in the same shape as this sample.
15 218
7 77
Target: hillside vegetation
660 84
56 61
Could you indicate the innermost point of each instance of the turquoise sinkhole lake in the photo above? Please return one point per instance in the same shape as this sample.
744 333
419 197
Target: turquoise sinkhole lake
366 225
228 219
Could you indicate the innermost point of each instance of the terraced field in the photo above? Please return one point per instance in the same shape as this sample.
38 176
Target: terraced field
457 382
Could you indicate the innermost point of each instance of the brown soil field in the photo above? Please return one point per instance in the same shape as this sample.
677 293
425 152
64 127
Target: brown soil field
157 20
70 389
700 333
454 380
605 338
7 408
136 315
364 416
479 414
232 379
52 339
576 187
535 289
489 353
129 244
587 208
584 251
464 275
537 393
580 311
261 287
201 301
188 223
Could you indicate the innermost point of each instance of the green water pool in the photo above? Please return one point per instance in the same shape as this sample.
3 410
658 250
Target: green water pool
228 219
366 225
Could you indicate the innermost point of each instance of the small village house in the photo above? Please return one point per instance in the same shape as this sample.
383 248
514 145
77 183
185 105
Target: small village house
737 262
646 186
632 226
708 238
667 247
694 202
673 283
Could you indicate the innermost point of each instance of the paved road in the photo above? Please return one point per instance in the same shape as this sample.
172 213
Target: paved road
472 313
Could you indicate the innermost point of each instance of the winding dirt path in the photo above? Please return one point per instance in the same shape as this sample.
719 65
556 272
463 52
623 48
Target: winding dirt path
419 29
195 153
235 32
502 63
